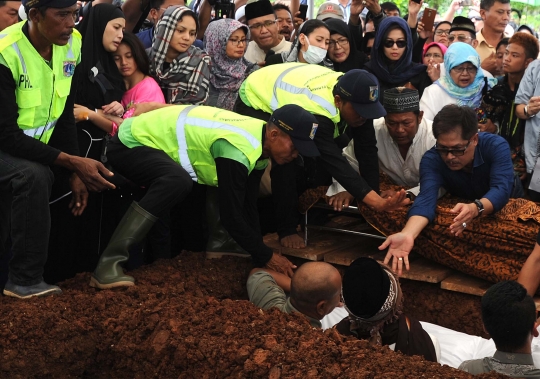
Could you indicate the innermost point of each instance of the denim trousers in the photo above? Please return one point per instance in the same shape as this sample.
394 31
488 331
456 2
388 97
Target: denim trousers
25 188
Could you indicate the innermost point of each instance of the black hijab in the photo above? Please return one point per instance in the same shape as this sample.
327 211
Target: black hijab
95 90
404 69
356 59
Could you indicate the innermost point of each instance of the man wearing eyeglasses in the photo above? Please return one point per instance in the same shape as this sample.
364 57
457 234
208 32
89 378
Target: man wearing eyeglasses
467 164
261 20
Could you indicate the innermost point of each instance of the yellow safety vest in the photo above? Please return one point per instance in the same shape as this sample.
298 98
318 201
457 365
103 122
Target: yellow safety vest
186 133
41 90
306 85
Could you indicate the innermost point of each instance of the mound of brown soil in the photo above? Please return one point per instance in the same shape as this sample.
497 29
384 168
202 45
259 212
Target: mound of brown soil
186 318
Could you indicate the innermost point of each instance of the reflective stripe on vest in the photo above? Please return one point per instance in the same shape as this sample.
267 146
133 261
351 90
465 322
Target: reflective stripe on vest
16 48
40 130
184 119
274 104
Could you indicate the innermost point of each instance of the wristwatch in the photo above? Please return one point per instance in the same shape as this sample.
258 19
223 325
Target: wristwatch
480 206
409 195
526 111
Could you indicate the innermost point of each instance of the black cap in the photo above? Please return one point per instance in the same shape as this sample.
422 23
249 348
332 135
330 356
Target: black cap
300 125
401 100
362 89
463 23
28 4
258 8
366 287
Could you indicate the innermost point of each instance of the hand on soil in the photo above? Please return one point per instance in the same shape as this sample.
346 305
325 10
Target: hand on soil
294 241
281 264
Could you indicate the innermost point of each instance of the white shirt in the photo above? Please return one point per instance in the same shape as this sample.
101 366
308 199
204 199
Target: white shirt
254 53
433 100
403 172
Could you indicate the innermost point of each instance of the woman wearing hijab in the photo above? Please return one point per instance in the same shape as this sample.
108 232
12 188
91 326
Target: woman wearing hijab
374 301
181 69
309 46
98 82
342 49
432 57
225 40
464 83
99 89
391 58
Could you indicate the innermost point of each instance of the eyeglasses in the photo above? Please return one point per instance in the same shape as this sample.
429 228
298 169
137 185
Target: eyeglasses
341 42
238 42
433 55
390 43
440 32
259 25
471 70
460 38
454 152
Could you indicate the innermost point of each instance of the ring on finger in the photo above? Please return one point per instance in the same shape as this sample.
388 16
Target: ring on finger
464 225
400 259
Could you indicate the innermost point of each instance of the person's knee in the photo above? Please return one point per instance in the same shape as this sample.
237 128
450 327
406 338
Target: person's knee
179 181
36 176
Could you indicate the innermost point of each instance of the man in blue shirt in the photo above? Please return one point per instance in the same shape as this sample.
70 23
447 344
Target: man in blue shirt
467 164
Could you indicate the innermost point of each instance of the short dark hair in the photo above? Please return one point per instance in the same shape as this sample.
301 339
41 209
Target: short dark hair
2 3
281 7
156 4
452 117
528 42
487 4
390 6
138 52
442 23
503 41
508 314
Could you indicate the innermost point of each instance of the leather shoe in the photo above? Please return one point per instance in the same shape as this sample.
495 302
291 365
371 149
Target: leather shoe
25 292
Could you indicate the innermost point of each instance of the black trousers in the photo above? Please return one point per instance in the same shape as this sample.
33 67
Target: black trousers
167 183
25 188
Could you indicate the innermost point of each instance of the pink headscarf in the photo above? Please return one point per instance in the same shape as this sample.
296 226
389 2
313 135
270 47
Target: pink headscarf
439 45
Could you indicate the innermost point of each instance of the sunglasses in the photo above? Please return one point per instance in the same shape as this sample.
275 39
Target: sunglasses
455 152
390 43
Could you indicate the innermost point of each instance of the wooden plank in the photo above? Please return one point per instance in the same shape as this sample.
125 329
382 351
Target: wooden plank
424 270
460 282
317 247
361 247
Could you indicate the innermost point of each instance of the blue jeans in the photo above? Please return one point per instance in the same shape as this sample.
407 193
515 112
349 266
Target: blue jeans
25 188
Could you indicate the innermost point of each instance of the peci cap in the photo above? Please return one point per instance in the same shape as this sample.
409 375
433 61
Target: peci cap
366 287
401 100
463 23
329 10
362 89
300 125
28 4
258 8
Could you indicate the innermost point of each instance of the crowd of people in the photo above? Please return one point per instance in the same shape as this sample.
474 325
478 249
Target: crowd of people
120 112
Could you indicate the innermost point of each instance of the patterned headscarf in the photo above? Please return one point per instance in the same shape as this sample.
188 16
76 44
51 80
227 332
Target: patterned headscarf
227 73
186 80
471 96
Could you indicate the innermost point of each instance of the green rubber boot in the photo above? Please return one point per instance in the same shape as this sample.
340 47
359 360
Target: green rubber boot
132 229
220 243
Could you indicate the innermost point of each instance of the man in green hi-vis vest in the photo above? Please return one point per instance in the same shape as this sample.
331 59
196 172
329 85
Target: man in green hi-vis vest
344 106
168 149
37 130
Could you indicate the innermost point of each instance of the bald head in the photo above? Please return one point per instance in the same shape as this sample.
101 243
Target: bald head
316 288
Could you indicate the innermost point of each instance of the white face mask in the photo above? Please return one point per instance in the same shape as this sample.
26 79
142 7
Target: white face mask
314 54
